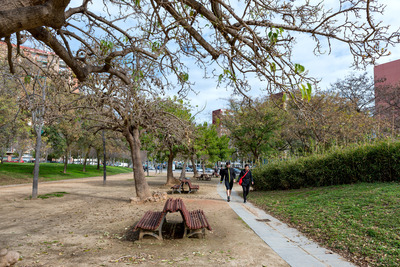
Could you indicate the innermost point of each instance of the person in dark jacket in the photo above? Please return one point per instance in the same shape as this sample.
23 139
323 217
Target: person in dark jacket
246 181
229 175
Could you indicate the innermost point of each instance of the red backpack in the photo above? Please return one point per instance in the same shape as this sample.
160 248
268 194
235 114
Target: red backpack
241 179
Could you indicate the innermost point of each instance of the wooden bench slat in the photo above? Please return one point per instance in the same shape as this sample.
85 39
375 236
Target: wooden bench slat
151 220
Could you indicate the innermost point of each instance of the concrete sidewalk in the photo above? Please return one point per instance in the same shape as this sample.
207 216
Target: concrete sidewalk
290 244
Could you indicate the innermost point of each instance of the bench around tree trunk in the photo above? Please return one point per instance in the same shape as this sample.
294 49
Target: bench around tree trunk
195 222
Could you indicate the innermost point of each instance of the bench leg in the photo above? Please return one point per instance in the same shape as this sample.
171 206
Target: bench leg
188 233
143 233
153 233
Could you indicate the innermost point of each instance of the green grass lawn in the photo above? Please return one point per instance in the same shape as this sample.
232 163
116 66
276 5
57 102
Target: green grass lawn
361 221
17 173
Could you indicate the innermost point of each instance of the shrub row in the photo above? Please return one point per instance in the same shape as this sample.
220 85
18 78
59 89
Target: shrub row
378 162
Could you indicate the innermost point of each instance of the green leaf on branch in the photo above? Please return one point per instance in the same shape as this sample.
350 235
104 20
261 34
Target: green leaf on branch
273 37
27 79
284 97
298 68
306 91
309 89
155 46
273 66
184 77
106 46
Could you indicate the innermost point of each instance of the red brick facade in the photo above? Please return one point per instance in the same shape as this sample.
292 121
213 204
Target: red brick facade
387 91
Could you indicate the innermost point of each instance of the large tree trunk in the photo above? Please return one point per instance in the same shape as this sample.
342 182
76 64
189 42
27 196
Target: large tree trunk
46 155
85 159
195 173
27 14
105 159
20 154
98 159
37 162
65 162
2 152
148 171
141 186
170 173
183 172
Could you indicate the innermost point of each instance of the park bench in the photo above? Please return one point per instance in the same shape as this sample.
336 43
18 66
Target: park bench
204 176
192 188
195 222
179 187
151 224
176 188
173 205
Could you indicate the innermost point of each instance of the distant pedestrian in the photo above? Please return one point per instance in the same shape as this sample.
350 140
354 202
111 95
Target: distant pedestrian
247 179
215 173
228 174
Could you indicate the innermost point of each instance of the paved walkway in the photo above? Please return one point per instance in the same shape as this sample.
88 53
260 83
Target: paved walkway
290 244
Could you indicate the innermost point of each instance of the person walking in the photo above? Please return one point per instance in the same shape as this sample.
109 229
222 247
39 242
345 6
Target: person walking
228 174
247 179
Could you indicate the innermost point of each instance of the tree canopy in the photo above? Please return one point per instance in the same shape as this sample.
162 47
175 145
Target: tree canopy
247 39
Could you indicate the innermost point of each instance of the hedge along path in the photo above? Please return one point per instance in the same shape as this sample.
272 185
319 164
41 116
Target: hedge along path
90 226
379 162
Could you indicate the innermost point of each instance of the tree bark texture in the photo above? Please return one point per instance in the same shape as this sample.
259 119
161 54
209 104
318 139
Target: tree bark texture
195 173
65 161
170 173
98 159
183 172
141 186
21 15
37 162
20 154
85 159
104 159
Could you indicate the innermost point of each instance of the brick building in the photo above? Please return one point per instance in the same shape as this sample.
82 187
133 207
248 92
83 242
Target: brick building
216 120
387 92
45 59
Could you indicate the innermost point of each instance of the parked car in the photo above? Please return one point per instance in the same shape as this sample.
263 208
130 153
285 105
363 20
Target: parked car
209 170
237 171
189 169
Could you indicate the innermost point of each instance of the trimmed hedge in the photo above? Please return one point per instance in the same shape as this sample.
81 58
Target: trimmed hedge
379 162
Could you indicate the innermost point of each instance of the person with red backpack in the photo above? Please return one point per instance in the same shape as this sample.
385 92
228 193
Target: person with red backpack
246 178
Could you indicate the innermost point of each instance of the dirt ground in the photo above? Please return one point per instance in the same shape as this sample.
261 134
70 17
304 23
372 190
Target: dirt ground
92 226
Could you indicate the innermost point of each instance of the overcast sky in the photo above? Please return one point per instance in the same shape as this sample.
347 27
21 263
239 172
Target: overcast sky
327 68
